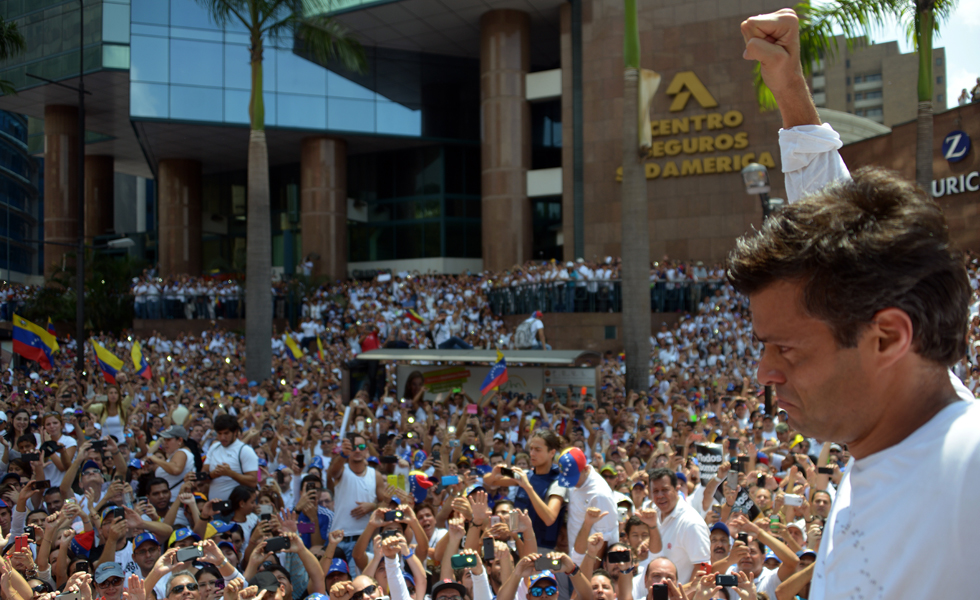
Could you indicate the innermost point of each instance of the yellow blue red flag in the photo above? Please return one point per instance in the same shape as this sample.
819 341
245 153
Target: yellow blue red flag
497 375
108 362
34 342
294 350
140 363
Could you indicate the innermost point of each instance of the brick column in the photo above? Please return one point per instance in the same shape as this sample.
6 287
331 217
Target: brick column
323 204
179 247
506 138
60 184
99 199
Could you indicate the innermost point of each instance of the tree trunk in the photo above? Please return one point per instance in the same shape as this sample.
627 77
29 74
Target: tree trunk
923 128
258 270
635 272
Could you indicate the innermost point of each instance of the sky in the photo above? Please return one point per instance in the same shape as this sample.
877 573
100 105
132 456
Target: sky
960 36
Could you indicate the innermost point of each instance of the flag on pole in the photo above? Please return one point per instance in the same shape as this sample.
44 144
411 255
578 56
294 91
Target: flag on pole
33 342
294 350
51 328
140 363
319 348
413 316
108 362
497 375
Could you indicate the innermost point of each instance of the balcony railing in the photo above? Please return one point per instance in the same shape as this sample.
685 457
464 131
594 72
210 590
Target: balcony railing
587 296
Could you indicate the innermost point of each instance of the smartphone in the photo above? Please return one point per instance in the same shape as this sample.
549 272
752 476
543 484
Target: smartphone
494 520
265 509
733 478
116 512
471 409
83 566
42 485
389 460
222 506
30 534
436 455
201 476
448 480
514 520
619 556
706 567
507 472
389 533
488 549
140 499
99 445
660 591
304 527
726 580
774 523
394 515
579 414
359 425
68 596
31 457
276 544
543 563
461 561
825 470
190 553
761 481
742 537
793 500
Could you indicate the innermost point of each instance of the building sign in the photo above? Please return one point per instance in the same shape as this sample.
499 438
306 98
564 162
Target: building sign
956 145
949 186
690 138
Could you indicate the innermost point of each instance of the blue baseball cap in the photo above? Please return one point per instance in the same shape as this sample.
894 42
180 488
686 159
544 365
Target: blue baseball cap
229 544
182 534
719 526
545 575
803 553
90 464
145 537
338 565
221 526
473 489
572 464
771 554
136 463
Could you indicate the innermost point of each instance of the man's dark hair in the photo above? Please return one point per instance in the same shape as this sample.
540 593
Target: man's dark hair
37 512
632 522
657 474
551 439
311 479
226 423
51 490
156 481
857 247
29 438
239 496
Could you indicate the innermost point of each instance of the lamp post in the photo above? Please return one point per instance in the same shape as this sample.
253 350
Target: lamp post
756 179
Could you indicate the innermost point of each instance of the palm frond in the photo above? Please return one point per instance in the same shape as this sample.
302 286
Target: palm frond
11 39
763 94
224 11
942 10
327 39
7 88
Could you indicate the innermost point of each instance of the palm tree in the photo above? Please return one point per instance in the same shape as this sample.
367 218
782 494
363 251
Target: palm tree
11 43
635 243
856 18
325 39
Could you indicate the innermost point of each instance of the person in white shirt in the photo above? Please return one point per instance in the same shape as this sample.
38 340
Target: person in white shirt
229 462
682 531
355 488
861 321
586 489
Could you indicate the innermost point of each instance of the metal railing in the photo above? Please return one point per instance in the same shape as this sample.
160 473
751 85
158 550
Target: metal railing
596 296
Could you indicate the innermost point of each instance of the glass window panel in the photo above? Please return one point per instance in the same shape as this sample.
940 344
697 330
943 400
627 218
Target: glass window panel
381 212
341 87
405 211
189 13
382 246
236 38
238 70
455 207
385 175
148 100
408 241
138 28
195 63
151 11
150 59
407 169
306 112
115 23
299 76
236 106
474 171
115 56
455 240
396 119
195 104
430 178
433 240
474 209
197 34
474 243
269 69
454 170
350 115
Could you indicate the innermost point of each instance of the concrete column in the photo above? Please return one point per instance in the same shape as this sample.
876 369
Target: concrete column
99 196
179 248
506 138
60 184
323 204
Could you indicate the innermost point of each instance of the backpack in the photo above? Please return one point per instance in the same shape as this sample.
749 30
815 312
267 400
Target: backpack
524 336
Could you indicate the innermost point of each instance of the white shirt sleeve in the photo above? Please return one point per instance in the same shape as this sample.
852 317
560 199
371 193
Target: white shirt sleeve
399 589
481 587
810 159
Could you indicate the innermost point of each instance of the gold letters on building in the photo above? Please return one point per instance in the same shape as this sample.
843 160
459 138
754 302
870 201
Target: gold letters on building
684 86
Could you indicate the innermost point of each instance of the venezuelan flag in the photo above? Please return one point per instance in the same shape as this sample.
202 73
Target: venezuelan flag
33 342
108 362
413 316
139 362
319 348
497 375
294 350
51 328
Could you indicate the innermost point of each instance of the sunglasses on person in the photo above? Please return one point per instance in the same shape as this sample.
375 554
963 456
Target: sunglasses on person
365 592
360 446
108 583
537 592
41 589
177 589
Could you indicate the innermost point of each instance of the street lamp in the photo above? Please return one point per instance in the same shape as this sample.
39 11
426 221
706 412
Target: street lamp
756 179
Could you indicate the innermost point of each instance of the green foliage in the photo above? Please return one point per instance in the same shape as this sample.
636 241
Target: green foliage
108 301
11 43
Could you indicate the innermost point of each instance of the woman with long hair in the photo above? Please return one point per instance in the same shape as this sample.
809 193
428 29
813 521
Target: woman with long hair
17 425
112 413
178 462
60 448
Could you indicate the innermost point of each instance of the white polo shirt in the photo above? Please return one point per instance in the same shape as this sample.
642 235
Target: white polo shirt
685 538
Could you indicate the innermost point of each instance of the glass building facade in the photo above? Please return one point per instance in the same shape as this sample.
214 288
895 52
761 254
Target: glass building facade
20 198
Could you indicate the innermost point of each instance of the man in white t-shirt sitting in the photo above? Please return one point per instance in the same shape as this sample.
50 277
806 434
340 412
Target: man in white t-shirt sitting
862 301
230 462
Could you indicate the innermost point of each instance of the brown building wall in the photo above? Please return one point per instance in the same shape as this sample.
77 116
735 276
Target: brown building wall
691 217
896 150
